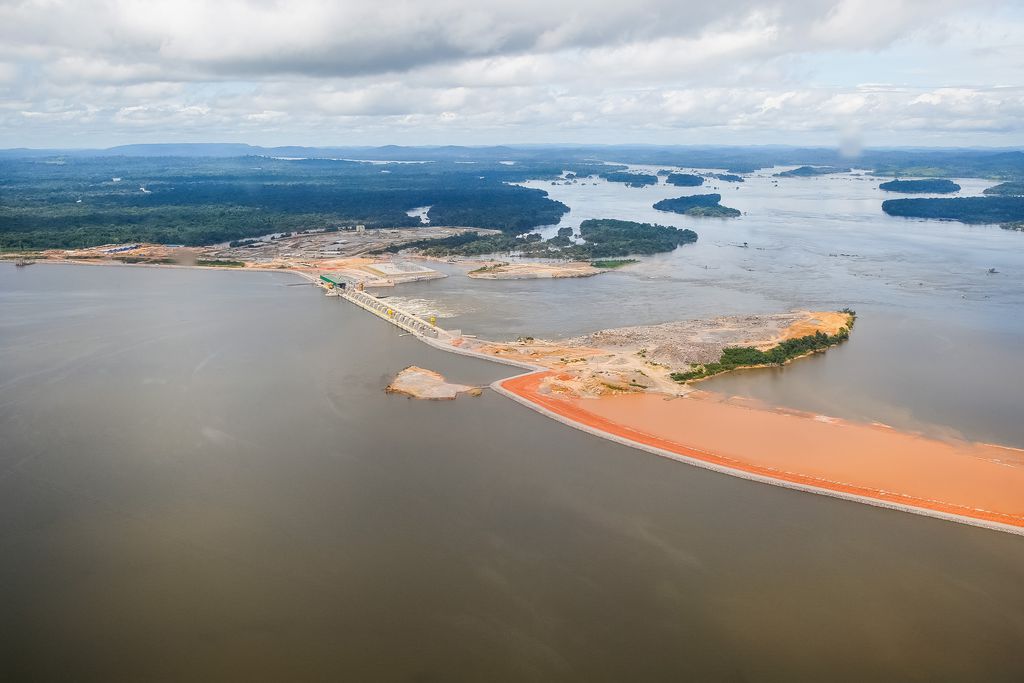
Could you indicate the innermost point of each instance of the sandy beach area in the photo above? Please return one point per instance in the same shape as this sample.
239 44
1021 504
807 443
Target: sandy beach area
969 482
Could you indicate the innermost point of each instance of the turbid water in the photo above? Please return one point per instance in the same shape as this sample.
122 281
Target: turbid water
937 343
202 479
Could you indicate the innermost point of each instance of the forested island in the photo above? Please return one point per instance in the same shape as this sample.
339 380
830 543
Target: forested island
1010 189
726 177
926 185
810 171
706 205
630 179
990 209
684 180
605 238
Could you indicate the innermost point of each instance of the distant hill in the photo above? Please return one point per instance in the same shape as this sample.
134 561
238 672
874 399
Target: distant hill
1001 164
810 171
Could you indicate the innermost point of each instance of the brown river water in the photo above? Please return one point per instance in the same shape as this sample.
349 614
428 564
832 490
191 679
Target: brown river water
202 478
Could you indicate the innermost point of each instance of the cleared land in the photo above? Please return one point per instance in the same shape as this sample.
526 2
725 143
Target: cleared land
643 358
532 271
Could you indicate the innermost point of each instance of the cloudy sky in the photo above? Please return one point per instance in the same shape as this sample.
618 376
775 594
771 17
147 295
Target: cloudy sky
320 72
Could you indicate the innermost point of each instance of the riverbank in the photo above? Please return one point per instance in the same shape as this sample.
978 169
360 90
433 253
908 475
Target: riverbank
977 484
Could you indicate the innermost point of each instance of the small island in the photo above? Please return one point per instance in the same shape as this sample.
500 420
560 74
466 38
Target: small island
630 179
811 171
988 209
726 177
925 185
417 382
684 180
705 205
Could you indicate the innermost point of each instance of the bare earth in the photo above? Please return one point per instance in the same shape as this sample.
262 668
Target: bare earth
635 359
417 382
491 270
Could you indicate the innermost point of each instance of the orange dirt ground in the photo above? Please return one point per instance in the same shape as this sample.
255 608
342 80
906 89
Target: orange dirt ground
977 481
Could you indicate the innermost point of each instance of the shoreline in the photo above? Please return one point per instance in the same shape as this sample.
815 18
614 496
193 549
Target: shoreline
182 266
521 389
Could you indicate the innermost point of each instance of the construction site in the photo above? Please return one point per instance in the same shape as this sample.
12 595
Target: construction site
306 250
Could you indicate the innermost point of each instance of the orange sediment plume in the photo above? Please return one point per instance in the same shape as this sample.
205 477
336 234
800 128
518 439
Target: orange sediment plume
970 482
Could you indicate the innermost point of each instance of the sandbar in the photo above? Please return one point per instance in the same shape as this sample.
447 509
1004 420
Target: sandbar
974 483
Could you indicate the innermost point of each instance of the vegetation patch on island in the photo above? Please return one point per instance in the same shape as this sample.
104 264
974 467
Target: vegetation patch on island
988 209
611 264
684 180
604 238
220 263
706 205
925 185
726 177
630 179
736 357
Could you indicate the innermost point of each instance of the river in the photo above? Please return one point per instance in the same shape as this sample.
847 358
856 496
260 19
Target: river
937 340
202 479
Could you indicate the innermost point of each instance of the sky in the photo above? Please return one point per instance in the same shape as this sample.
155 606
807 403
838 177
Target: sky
319 72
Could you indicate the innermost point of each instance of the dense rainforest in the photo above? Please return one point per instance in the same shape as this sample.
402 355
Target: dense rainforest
78 202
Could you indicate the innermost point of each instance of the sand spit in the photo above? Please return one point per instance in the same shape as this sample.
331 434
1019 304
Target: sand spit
417 382
689 342
973 483
532 271
642 359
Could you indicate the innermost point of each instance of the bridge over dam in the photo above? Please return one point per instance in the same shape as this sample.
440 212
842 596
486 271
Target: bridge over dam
424 330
